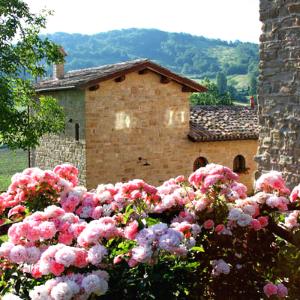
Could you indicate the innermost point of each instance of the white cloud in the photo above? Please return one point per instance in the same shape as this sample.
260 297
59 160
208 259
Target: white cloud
224 19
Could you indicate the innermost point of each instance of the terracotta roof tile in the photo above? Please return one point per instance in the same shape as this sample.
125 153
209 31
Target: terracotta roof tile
221 123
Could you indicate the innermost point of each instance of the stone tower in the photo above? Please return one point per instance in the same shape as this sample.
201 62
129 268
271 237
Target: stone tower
279 89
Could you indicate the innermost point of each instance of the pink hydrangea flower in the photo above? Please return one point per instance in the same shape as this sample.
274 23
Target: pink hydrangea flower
81 259
131 230
132 263
295 194
270 289
67 172
16 210
179 179
271 181
264 221
117 259
278 202
219 228
208 224
255 224
56 268
291 221
65 256
47 230
65 238
97 212
210 175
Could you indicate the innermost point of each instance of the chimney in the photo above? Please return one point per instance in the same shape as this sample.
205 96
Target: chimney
59 69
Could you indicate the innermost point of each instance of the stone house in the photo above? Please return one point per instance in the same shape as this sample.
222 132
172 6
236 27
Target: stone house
133 120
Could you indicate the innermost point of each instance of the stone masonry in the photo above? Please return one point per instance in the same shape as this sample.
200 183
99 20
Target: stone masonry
279 89
138 128
63 148
132 125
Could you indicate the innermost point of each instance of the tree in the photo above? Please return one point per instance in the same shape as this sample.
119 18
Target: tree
24 117
237 95
253 84
221 83
211 97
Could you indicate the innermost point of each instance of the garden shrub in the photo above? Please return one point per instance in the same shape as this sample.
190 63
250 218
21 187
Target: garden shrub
195 238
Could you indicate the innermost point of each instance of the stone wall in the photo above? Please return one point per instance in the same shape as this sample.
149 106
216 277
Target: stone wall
224 153
63 148
279 89
138 128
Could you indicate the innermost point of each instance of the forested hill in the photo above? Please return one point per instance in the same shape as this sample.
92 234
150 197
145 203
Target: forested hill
195 56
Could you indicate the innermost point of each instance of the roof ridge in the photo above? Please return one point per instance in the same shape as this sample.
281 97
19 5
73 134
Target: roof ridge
108 65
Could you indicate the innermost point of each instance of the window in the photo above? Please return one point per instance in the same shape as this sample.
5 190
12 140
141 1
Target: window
200 162
77 132
239 164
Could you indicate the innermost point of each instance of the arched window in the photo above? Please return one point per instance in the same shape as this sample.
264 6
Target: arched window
77 132
239 164
200 162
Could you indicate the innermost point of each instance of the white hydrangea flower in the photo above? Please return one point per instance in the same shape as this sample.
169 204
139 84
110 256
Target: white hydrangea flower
96 254
244 220
249 209
94 284
39 293
220 267
159 229
234 214
62 291
10 297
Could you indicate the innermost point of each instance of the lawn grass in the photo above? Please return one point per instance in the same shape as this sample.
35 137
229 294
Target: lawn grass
11 162
240 82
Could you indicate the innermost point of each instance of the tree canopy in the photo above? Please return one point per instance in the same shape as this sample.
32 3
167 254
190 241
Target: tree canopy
221 83
24 55
212 96
194 56
253 84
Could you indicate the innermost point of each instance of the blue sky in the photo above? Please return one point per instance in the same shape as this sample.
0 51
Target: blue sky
224 19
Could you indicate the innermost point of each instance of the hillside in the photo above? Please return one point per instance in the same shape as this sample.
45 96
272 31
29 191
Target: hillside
194 56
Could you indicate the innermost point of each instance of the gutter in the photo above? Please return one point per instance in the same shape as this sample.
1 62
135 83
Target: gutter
58 88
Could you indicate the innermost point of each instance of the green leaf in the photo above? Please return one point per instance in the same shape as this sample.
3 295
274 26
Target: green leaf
198 249
3 238
152 221
128 212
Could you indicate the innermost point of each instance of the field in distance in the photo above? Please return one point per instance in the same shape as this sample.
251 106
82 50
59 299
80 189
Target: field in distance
11 162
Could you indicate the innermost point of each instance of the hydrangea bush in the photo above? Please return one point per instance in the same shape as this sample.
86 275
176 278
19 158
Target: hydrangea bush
190 238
